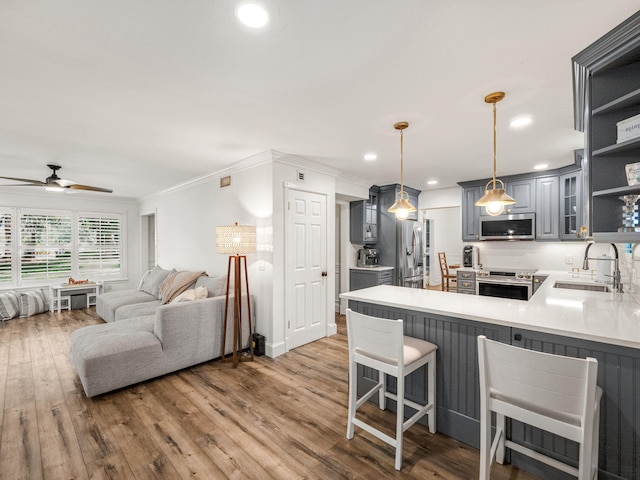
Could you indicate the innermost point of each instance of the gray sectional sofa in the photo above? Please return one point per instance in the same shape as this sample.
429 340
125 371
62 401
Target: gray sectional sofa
144 338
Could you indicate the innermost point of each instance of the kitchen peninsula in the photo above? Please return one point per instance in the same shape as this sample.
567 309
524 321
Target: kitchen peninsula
563 321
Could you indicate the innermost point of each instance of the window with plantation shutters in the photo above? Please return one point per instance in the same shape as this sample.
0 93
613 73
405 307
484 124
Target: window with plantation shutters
6 246
45 246
99 246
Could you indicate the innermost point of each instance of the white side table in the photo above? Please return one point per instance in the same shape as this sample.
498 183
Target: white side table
58 292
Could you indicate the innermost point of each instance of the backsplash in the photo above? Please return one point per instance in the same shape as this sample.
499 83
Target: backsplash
555 255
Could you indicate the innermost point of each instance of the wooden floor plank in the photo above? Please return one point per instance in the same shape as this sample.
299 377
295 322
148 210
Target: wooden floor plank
110 467
20 447
267 419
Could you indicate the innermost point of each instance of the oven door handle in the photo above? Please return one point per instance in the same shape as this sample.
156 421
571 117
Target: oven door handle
503 282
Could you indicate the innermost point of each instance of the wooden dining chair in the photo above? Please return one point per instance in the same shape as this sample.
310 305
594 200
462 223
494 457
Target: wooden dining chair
448 279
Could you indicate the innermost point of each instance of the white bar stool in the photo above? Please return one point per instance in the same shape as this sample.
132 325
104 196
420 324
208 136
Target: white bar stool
380 344
555 393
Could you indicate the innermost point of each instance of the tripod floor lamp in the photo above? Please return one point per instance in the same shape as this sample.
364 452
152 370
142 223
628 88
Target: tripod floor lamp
236 241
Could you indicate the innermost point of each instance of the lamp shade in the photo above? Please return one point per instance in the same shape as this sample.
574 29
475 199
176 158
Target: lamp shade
236 239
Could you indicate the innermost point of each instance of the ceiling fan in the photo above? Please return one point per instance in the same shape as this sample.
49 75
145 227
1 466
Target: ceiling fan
54 183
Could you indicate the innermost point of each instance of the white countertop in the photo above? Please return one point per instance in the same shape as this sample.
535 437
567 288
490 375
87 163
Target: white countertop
377 268
611 318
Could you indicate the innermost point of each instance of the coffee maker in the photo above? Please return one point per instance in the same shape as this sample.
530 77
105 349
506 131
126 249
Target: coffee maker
367 257
470 256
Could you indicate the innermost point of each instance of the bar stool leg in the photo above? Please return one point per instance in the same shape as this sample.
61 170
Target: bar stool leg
431 393
399 422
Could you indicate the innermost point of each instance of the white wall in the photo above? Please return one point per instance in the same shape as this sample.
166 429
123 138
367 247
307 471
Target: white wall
90 203
187 216
443 208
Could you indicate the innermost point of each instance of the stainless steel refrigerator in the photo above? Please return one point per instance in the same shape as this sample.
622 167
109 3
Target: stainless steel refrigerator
409 251
400 242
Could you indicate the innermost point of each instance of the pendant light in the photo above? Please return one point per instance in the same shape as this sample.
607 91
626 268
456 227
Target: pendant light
495 199
402 207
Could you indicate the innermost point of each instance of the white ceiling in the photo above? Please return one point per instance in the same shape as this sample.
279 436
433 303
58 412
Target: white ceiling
139 95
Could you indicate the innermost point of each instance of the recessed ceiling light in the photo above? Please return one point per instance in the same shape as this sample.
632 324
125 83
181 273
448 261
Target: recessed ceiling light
541 166
520 122
252 15
370 156
432 182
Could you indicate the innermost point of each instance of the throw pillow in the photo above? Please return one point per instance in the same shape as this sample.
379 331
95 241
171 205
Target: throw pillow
33 302
191 294
186 296
216 286
156 276
201 292
9 305
143 279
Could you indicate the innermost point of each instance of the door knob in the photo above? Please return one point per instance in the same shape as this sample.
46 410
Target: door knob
324 274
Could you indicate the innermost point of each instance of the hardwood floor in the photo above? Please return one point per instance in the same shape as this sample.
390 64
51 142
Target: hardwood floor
282 418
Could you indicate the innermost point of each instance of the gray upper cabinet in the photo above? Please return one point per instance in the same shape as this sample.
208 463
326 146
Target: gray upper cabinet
547 208
551 195
363 228
571 205
524 193
607 91
471 213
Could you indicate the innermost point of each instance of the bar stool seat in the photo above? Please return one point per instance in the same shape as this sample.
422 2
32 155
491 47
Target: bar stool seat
555 393
380 344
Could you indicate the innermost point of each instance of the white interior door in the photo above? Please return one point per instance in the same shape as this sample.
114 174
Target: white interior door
306 267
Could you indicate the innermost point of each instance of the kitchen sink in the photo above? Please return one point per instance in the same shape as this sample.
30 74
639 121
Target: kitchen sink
582 286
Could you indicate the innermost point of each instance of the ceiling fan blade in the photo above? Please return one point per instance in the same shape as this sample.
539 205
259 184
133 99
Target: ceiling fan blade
22 185
27 180
77 186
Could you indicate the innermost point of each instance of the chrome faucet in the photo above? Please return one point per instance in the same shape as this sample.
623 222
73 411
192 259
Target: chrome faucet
585 263
616 277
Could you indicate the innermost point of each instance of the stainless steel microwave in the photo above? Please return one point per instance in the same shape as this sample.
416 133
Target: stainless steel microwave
516 226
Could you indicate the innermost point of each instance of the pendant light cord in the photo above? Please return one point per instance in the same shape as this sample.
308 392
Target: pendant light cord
495 129
401 165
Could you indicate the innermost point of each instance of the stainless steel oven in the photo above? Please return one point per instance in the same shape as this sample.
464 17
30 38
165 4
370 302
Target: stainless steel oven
505 283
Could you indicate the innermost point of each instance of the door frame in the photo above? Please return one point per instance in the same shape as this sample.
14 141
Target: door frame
330 326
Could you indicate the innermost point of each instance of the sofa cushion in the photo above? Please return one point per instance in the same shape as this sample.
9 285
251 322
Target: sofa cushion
108 303
114 355
137 310
216 286
156 276
9 305
33 302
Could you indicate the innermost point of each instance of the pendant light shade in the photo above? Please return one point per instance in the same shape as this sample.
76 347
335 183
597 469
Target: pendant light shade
494 199
402 206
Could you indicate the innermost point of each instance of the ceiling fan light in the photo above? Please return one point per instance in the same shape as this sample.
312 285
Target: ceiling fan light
54 188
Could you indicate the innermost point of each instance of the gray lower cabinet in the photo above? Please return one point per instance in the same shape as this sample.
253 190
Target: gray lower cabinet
359 279
466 282
458 400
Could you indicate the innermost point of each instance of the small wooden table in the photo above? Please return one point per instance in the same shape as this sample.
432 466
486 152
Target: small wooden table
56 293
